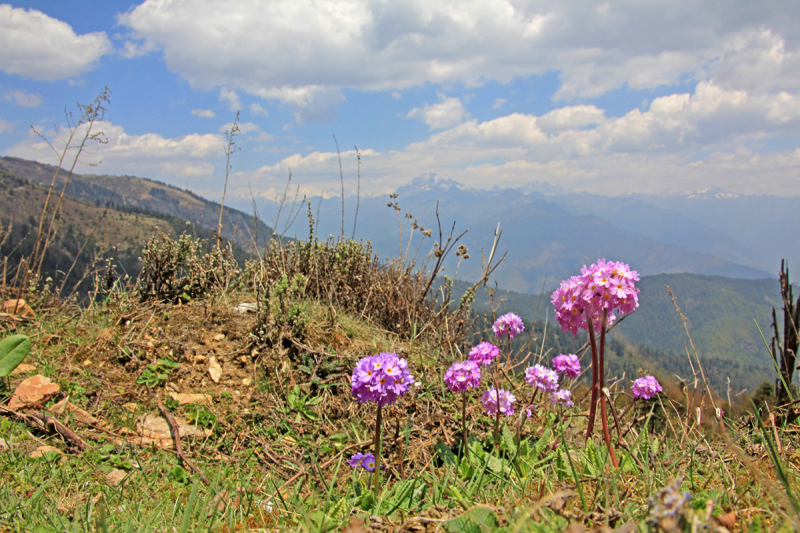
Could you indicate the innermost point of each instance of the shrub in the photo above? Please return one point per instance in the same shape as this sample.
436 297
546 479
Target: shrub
181 270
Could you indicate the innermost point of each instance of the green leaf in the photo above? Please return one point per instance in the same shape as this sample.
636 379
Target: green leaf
540 445
755 525
445 453
508 441
13 350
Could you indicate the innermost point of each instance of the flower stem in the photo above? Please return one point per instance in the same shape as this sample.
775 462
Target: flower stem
595 380
378 425
522 416
497 405
464 420
603 413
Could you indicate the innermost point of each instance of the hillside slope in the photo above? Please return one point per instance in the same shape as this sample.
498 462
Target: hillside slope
144 194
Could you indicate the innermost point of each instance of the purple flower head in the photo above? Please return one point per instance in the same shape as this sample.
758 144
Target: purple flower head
355 461
562 397
484 353
365 461
508 324
542 378
461 376
568 364
606 285
646 387
504 401
381 379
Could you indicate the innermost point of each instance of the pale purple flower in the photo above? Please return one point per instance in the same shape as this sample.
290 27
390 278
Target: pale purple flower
365 461
508 324
381 379
504 401
484 353
568 364
542 378
562 397
356 459
646 387
461 376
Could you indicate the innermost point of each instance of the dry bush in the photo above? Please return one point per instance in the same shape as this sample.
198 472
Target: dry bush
348 275
181 270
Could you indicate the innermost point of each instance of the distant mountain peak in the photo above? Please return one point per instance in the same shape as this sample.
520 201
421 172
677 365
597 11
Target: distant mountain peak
712 193
429 181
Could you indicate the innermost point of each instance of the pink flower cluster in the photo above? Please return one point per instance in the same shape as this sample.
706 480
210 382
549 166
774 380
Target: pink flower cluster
646 387
604 285
542 378
509 324
570 365
562 397
461 376
484 353
381 379
503 400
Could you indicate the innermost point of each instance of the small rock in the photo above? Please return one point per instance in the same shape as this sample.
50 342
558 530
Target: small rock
184 398
18 308
76 412
88 362
115 477
41 450
155 430
23 368
214 369
246 307
131 407
247 382
31 391
219 337
243 359
4 445
198 359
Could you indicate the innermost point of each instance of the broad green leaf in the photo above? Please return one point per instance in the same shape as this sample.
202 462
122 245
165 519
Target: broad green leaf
540 445
445 453
508 441
13 350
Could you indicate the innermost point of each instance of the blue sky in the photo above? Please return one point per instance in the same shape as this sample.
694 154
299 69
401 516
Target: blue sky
611 98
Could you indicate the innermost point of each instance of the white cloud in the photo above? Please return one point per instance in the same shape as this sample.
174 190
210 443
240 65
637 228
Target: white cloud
6 126
499 103
244 127
203 113
192 156
282 48
133 49
230 98
258 109
37 46
681 143
397 95
23 99
445 114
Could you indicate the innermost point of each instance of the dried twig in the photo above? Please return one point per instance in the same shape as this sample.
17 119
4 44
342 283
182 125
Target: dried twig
176 437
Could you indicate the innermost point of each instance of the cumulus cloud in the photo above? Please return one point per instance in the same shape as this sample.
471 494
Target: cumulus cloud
37 46
203 113
175 159
6 126
282 48
230 98
681 143
258 109
499 103
23 99
133 49
445 114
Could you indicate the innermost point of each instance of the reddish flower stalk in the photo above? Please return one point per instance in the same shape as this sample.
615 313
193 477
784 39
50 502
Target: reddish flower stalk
601 369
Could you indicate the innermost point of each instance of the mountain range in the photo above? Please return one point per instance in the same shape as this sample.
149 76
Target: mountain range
550 235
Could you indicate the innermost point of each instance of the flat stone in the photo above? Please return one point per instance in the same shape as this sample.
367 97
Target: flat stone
41 450
184 398
219 337
115 477
246 307
32 390
18 308
153 429
23 368
214 369
75 412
